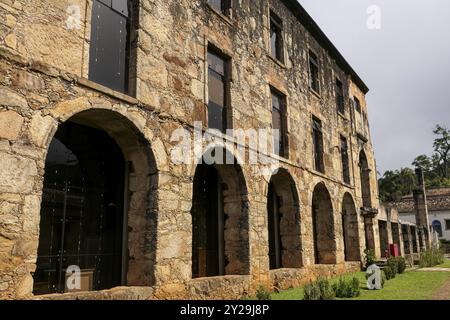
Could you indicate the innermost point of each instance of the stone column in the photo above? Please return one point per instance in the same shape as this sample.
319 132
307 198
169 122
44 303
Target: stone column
421 207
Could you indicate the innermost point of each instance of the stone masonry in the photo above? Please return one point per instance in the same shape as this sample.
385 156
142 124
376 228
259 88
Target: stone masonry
44 71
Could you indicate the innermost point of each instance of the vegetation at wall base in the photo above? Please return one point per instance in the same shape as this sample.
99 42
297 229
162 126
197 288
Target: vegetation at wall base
263 294
319 290
369 257
431 258
347 288
401 265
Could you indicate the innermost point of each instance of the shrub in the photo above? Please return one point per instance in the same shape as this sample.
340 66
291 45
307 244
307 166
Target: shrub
392 262
369 257
347 288
388 272
263 294
401 264
431 258
319 290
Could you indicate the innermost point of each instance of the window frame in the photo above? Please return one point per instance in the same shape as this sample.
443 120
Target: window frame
227 120
275 20
340 99
447 224
345 164
318 150
226 9
284 139
313 61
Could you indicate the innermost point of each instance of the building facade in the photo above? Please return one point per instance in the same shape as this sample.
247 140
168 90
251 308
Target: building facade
438 207
96 98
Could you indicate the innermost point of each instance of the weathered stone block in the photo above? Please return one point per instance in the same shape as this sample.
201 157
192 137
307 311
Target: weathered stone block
10 124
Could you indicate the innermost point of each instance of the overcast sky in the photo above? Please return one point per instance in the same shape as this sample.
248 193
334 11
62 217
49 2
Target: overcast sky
406 65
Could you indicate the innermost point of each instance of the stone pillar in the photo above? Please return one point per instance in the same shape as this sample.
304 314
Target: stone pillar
421 207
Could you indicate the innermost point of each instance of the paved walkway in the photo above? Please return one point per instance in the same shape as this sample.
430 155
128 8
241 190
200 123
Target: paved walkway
443 293
434 269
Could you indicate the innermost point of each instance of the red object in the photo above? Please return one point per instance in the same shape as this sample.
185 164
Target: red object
394 250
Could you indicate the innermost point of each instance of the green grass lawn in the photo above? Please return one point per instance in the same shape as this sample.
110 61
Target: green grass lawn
413 285
446 264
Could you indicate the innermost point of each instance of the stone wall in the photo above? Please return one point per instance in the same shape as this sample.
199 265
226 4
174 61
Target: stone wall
43 71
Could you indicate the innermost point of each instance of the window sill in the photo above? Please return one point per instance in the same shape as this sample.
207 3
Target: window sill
100 88
276 61
340 114
225 18
314 92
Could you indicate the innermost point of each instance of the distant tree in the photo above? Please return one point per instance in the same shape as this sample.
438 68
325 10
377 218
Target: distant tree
395 184
442 149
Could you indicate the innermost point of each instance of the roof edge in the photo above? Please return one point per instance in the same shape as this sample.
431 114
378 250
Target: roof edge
305 19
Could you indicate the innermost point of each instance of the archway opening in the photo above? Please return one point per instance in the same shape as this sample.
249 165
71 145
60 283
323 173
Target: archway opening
283 222
365 180
350 226
396 236
96 200
220 243
323 226
384 240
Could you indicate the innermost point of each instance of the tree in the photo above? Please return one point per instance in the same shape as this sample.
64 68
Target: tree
442 149
395 184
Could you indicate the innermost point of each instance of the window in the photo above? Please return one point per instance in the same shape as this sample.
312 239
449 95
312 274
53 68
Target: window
110 43
276 38
438 227
279 122
318 145
447 224
345 160
314 72
340 97
223 6
218 88
357 105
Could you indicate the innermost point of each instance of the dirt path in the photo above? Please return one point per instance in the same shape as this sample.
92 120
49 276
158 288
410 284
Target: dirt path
443 293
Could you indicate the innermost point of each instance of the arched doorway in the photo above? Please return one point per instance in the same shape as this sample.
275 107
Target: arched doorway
350 228
437 226
220 243
283 222
323 226
87 222
365 180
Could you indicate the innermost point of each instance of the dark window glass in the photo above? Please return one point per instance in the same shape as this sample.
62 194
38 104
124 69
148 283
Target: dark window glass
314 72
447 224
318 145
109 50
357 105
217 91
276 38
223 6
340 97
81 221
345 160
279 123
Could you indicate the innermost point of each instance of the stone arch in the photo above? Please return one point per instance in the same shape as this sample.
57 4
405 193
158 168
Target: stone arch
220 220
350 227
323 226
284 222
365 180
140 181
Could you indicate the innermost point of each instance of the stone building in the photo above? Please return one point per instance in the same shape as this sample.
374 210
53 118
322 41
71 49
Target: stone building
438 201
95 96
